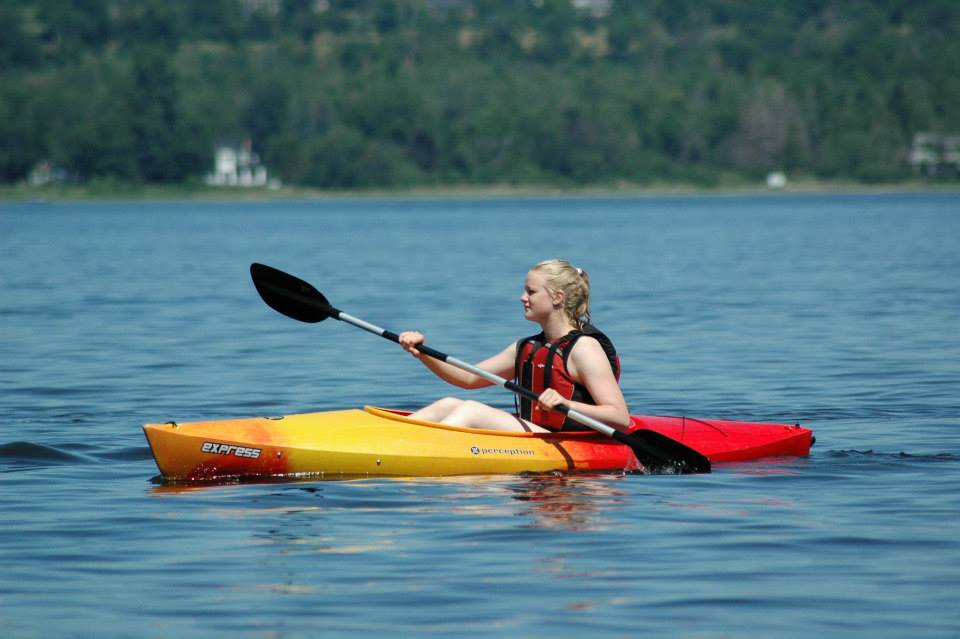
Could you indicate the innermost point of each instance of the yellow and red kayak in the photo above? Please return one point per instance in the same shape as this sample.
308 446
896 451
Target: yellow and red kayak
378 442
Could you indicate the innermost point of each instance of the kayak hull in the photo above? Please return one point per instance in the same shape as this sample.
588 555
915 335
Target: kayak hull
376 442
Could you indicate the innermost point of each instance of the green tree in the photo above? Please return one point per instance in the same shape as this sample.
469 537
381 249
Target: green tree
17 48
92 138
165 148
19 148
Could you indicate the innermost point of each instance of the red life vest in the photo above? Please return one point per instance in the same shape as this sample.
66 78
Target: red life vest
541 364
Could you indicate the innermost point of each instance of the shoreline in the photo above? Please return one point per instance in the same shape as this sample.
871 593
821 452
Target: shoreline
21 193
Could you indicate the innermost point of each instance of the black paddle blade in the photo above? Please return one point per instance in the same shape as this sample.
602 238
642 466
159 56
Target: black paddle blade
290 295
660 454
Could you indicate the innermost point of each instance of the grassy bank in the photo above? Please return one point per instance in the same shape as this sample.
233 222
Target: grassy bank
114 191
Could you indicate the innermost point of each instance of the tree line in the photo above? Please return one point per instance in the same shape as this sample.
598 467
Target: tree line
363 93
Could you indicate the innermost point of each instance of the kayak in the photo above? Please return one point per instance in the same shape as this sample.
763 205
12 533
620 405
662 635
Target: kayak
372 442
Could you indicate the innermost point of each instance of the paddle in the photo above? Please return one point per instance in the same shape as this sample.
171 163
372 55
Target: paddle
299 300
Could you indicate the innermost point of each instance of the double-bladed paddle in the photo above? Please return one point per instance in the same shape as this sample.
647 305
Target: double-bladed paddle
297 299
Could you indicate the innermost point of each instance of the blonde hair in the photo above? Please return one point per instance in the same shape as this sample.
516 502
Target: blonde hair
561 275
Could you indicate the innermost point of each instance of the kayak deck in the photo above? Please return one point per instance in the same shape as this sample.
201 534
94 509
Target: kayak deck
378 442
731 441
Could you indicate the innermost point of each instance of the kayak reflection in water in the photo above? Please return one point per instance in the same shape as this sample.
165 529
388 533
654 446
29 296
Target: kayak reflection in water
569 362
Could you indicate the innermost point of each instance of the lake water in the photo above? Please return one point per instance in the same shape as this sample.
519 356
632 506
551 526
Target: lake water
837 312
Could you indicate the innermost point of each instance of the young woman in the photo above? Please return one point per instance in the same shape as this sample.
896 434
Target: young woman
569 362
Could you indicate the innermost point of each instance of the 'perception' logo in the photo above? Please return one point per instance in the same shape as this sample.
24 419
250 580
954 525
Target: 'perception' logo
522 452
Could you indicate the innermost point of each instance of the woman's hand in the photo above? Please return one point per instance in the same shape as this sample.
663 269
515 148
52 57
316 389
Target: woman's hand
410 340
550 399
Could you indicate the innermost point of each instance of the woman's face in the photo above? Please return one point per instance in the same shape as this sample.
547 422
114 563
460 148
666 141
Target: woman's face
538 302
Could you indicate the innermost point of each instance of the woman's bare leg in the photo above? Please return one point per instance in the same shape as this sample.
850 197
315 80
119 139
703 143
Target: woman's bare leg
438 410
453 411
471 414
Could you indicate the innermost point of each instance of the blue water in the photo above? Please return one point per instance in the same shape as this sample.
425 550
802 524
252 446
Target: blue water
838 312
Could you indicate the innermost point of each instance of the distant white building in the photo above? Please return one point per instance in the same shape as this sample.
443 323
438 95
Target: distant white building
238 167
44 172
935 154
596 8
776 180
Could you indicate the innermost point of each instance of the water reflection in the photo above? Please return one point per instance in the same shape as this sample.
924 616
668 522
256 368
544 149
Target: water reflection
558 502
571 503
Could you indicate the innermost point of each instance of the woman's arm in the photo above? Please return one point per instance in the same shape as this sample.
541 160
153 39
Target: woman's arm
501 364
588 365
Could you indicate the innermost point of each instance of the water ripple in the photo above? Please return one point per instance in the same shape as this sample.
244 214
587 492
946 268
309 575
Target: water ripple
27 452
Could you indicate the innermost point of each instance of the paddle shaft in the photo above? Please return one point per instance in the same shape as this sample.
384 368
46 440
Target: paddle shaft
470 368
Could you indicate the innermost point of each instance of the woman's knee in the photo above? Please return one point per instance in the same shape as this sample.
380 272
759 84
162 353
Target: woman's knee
468 408
448 404
471 414
438 410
